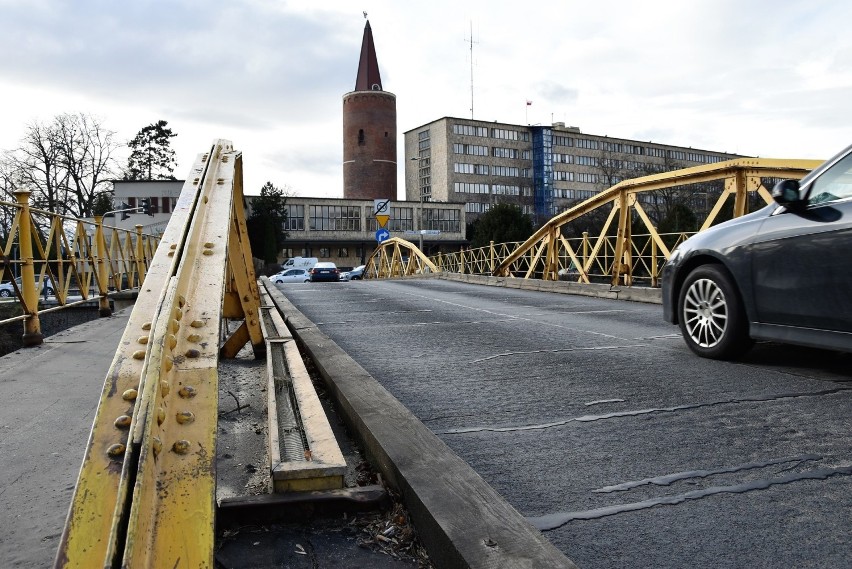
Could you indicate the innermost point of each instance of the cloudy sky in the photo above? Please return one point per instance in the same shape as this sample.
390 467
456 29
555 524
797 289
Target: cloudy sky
768 78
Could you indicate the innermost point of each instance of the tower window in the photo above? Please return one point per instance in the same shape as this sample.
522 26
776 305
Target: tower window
361 137
386 134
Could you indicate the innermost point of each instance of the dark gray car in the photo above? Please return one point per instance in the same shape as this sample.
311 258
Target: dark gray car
782 273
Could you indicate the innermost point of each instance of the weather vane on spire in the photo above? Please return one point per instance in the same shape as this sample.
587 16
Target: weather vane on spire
365 15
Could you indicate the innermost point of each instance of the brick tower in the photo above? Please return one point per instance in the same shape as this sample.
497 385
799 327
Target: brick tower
369 131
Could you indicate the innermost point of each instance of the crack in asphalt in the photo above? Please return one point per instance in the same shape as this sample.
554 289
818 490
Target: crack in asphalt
638 412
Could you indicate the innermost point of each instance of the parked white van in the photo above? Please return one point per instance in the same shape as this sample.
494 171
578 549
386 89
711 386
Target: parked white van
299 263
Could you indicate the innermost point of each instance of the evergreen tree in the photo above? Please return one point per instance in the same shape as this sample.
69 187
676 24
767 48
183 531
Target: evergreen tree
151 155
265 224
502 223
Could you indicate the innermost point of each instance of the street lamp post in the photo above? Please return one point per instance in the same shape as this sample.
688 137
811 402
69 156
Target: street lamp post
420 193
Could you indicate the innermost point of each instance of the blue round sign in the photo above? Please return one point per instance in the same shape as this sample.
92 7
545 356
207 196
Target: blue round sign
382 235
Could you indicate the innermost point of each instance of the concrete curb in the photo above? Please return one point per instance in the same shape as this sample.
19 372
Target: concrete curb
635 294
462 521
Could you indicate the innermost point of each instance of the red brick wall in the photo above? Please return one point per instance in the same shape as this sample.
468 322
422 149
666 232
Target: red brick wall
369 160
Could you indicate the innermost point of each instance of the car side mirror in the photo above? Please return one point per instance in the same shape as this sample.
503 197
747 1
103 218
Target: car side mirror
786 193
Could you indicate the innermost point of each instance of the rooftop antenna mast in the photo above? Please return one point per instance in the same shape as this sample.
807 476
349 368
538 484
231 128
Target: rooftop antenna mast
471 67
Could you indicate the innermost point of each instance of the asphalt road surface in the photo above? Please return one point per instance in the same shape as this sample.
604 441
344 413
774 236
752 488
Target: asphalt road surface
593 419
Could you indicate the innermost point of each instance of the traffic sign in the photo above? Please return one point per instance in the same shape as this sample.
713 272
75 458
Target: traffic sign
383 220
381 207
382 235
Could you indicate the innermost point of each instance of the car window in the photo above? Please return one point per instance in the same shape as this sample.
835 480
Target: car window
292 272
834 184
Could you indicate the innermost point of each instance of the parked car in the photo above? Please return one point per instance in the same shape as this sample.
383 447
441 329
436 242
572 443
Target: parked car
325 271
357 273
782 273
291 276
7 290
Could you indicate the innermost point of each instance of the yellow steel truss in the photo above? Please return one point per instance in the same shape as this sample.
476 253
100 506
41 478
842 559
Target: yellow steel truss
397 257
145 495
620 256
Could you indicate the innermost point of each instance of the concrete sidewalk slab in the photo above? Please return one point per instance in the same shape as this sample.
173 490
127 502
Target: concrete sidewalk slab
48 398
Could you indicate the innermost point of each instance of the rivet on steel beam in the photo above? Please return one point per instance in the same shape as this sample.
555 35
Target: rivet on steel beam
139 355
146 326
142 339
192 353
123 422
225 159
130 395
172 341
184 417
181 446
187 392
253 322
170 363
220 181
173 246
161 415
181 300
171 253
205 199
195 181
178 314
194 338
116 450
197 323
156 446
164 388
207 252
175 325
208 245
204 158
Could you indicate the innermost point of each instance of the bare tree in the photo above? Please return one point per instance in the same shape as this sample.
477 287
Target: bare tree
65 163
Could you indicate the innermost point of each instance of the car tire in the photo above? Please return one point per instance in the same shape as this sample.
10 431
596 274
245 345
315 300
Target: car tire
711 315
5 293
307 280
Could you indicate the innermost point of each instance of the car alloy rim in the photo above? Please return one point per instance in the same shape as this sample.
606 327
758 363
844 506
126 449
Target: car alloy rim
705 313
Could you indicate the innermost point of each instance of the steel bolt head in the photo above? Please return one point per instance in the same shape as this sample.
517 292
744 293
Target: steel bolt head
116 450
123 422
130 395
181 446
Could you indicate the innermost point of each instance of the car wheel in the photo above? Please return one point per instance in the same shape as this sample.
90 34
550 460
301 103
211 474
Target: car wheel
711 315
5 293
307 280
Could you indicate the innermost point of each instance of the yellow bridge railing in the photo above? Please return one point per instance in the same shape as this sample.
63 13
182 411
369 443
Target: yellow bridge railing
65 257
616 255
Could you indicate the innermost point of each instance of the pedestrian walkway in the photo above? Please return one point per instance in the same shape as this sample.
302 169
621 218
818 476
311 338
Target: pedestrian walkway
48 398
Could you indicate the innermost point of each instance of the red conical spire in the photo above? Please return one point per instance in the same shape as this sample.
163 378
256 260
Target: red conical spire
368 78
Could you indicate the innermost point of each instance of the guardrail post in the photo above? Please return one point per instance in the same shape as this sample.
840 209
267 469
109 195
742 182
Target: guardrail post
140 255
32 325
461 261
101 268
491 257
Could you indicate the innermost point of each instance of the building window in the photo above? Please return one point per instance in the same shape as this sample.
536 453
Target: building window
501 189
334 218
343 252
361 137
563 159
563 176
512 171
504 134
444 220
476 207
471 149
287 253
587 178
505 153
525 155
325 252
307 252
401 219
155 205
295 218
469 130
586 143
562 141
587 161
469 188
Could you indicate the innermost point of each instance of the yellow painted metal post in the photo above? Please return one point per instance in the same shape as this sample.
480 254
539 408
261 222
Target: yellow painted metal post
101 267
741 194
655 274
491 260
140 255
32 325
461 261
621 204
